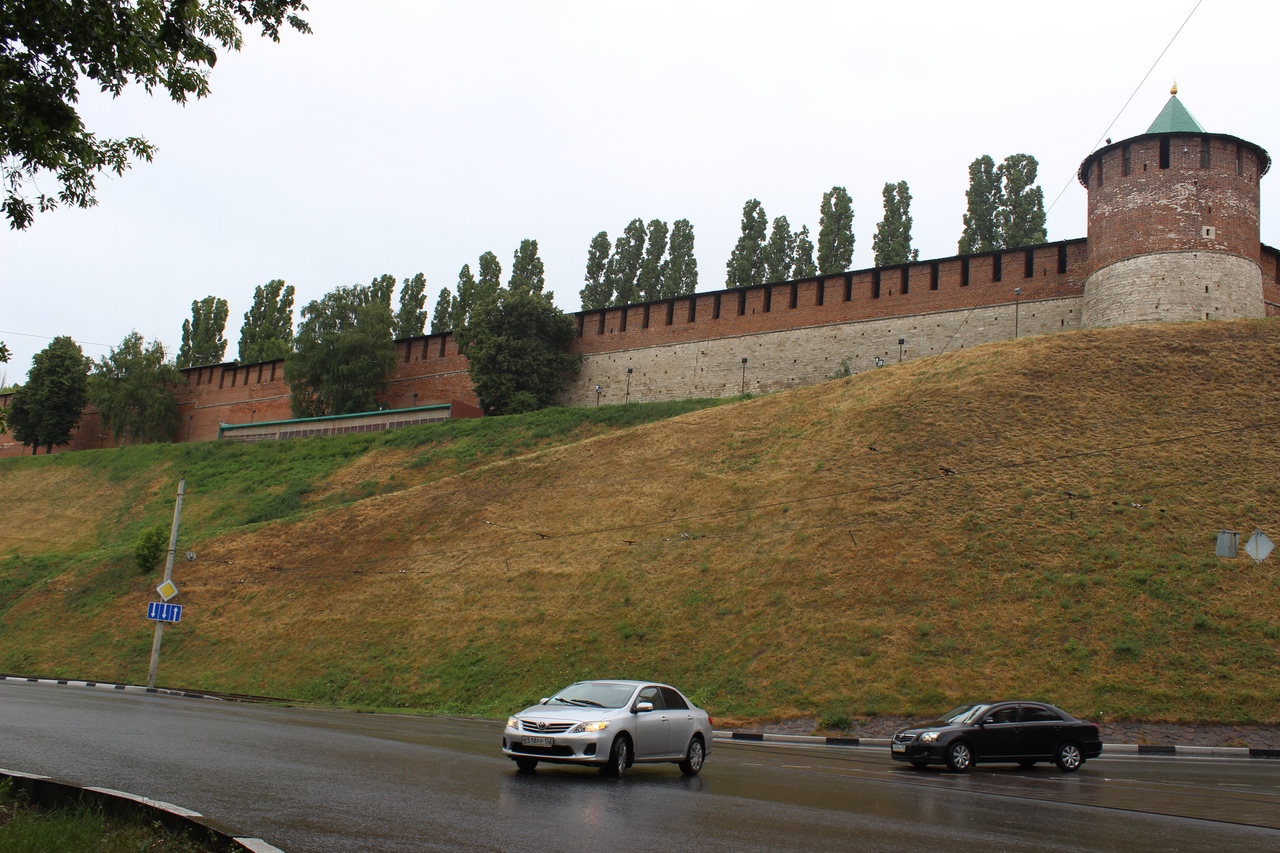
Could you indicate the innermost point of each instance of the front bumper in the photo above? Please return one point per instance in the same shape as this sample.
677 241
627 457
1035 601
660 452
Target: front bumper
584 748
931 753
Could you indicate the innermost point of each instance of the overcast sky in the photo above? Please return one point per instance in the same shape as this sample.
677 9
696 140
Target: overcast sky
409 136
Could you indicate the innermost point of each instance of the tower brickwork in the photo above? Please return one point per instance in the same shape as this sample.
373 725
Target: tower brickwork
1173 226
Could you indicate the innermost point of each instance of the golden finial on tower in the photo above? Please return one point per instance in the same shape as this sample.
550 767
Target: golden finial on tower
1174 90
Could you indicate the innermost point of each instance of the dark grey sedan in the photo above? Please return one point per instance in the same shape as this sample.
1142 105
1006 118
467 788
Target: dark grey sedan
1021 732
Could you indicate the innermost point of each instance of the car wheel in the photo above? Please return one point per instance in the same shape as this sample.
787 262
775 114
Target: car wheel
619 756
1026 763
1069 757
959 757
527 763
693 757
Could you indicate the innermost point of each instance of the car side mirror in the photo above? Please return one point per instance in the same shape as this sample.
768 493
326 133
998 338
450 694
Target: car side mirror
544 700
986 720
643 706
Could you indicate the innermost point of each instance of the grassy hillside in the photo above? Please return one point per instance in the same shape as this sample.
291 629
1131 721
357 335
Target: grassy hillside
1031 518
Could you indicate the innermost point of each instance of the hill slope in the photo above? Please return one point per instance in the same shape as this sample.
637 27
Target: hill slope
1035 517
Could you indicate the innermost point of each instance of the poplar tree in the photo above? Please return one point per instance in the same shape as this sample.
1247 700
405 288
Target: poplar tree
463 300
892 242
440 319
780 253
805 267
835 232
1005 205
202 335
746 264
488 281
267 331
982 231
649 279
411 319
596 294
680 269
527 269
624 265
1023 216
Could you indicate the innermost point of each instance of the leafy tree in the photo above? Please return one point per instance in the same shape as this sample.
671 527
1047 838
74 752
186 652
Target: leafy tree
1023 216
203 341
343 352
780 252
133 389
1005 206
746 264
463 300
440 320
805 267
49 48
267 331
680 269
518 349
151 547
649 279
892 243
835 232
596 294
527 271
624 266
45 411
411 319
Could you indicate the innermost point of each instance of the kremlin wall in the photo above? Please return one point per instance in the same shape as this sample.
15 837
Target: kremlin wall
1173 235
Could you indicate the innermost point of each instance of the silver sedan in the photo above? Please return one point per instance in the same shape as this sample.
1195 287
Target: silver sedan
610 725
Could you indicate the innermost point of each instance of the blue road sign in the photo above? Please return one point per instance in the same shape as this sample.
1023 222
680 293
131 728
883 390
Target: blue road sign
161 612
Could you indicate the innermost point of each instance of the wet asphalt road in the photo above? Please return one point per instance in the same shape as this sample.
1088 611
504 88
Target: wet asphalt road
334 781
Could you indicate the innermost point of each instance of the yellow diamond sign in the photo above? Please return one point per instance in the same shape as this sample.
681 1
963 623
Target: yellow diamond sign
167 590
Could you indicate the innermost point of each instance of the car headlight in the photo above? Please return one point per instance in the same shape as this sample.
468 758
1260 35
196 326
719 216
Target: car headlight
928 737
593 726
513 723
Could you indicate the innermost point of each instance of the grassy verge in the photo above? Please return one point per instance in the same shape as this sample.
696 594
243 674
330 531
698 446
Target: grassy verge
83 828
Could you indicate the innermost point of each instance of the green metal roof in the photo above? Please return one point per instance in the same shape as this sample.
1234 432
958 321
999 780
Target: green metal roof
1175 118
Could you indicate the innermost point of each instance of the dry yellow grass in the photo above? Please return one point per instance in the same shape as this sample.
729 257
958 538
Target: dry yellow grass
1035 517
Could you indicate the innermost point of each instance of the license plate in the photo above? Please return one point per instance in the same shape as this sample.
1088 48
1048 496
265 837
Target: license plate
538 741
897 747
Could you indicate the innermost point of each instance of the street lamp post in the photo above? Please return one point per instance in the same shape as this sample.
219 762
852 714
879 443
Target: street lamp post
901 343
627 398
744 375
599 391
1017 299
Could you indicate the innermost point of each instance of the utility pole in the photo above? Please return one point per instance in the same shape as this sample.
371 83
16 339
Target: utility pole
168 574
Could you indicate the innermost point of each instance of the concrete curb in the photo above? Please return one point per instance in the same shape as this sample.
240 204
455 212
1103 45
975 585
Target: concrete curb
46 790
128 688
1107 749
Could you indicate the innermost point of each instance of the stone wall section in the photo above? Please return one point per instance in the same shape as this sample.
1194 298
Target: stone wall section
1174 287
778 360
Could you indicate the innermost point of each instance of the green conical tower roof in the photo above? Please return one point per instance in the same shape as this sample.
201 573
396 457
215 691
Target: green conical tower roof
1175 118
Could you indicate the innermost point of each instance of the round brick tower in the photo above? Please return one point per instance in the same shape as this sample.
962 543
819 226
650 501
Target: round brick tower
1173 225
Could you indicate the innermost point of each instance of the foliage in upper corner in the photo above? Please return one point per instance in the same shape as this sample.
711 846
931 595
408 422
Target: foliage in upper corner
132 387
518 349
343 352
45 411
46 50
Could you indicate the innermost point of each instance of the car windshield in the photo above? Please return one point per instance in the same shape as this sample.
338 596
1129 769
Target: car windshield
596 694
961 715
